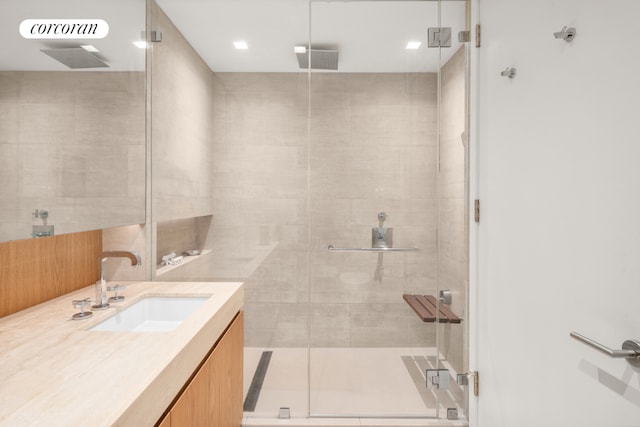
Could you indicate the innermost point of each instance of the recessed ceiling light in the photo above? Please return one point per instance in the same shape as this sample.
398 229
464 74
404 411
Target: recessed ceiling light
89 48
241 45
141 44
300 49
413 45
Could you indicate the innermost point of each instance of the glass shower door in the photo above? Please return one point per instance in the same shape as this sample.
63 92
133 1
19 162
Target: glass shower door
376 206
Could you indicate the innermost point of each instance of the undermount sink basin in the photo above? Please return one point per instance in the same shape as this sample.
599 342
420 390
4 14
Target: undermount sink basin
152 314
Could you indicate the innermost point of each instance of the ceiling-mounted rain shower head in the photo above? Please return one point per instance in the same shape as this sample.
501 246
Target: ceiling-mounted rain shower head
321 59
75 57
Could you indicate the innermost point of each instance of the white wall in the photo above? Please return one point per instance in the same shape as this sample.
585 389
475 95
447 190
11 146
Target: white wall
559 239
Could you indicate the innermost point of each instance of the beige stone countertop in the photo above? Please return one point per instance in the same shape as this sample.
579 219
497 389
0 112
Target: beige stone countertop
55 372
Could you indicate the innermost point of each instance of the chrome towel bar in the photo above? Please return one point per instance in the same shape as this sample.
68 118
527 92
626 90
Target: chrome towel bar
334 249
630 348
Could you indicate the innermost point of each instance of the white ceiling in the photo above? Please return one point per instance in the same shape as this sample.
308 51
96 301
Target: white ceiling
370 35
126 19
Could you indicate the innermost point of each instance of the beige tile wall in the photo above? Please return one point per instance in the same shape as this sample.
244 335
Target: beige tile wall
182 105
72 143
372 148
283 187
260 200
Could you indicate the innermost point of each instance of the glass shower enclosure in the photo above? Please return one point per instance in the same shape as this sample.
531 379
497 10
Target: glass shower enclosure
340 200
386 208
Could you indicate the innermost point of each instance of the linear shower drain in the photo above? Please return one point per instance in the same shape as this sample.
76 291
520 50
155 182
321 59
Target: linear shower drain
251 400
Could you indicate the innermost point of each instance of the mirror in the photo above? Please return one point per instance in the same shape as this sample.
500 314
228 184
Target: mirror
72 120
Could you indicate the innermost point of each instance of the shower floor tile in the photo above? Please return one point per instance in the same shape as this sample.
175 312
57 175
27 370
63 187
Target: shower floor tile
347 382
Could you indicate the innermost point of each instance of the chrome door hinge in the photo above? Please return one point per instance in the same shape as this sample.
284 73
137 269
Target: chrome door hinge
465 36
476 383
438 379
463 379
476 210
439 37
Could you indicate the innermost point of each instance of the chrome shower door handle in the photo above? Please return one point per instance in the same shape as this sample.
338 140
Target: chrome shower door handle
630 348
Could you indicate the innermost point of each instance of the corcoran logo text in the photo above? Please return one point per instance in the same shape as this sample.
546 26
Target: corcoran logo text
64 29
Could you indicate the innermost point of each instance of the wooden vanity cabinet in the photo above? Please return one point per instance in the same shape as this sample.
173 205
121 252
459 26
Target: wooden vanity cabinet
165 422
213 397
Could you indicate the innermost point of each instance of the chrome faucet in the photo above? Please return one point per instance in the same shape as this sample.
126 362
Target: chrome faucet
101 285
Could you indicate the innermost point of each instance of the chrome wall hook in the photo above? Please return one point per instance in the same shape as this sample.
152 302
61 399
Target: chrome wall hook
508 72
567 34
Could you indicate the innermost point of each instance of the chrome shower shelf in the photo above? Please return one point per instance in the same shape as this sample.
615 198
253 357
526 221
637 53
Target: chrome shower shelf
334 249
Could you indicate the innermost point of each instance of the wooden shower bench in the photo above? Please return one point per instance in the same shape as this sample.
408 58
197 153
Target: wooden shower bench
425 307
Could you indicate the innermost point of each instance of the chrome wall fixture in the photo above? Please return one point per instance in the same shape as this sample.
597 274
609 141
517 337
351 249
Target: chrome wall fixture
381 240
382 217
566 34
44 229
382 250
381 236
439 37
508 72
630 349
445 296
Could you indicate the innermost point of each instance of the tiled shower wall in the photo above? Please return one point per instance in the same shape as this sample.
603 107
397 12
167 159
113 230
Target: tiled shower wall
260 219
294 168
373 148
282 198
